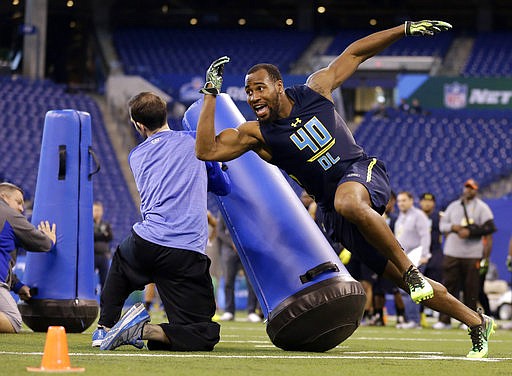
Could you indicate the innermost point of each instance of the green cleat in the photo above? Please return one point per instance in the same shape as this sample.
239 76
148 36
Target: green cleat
480 336
419 288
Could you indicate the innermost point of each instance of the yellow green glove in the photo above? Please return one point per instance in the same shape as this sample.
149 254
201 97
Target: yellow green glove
345 256
214 77
425 27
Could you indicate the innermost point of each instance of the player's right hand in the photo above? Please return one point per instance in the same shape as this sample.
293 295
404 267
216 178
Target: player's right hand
425 27
214 77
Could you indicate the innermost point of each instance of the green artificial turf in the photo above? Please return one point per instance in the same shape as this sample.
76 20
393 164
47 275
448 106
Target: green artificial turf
245 349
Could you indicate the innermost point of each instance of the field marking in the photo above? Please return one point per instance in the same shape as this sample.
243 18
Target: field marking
373 339
381 352
215 356
421 339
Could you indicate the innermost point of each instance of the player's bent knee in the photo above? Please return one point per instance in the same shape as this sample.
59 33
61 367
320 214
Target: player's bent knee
349 207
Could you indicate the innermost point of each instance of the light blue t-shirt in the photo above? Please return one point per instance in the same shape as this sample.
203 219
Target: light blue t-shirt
172 185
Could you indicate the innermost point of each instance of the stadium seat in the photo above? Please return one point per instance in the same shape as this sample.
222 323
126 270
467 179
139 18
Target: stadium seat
437 153
24 104
491 56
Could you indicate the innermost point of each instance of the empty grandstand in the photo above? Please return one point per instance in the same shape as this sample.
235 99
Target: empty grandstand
23 104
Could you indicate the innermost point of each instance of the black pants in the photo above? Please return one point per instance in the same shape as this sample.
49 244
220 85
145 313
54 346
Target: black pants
102 262
183 281
232 265
461 274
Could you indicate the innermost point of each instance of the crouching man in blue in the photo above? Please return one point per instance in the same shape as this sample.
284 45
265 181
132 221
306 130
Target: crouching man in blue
168 246
16 231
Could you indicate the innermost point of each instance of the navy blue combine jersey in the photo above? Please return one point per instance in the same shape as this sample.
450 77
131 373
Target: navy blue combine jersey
313 145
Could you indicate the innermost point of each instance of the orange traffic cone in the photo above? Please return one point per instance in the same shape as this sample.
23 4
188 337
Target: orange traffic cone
55 357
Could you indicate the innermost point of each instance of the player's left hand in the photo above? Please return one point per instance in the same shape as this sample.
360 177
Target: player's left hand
214 77
425 27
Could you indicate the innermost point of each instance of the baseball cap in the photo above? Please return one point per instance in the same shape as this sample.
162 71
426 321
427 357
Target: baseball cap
471 184
428 196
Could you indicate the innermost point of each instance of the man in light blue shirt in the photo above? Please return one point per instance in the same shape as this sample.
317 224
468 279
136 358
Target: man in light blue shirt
412 230
168 246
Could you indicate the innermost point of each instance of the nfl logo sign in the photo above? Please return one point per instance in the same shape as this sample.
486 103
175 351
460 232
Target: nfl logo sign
455 95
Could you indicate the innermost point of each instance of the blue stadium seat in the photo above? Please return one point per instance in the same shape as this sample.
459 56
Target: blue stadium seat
491 56
151 52
23 104
437 45
439 152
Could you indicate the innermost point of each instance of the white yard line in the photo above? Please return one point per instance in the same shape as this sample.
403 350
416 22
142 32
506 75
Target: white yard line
216 356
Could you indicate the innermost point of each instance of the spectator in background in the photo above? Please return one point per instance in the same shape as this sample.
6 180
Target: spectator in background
232 265
416 108
102 238
404 106
434 267
382 286
464 223
16 231
412 230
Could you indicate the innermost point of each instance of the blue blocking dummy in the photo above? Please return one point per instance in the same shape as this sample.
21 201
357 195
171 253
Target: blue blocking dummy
309 299
63 279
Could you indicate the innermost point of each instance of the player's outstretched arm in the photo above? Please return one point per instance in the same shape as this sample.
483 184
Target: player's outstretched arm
340 69
230 143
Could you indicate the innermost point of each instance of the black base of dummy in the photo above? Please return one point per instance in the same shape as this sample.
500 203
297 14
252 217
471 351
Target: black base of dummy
74 315
319 317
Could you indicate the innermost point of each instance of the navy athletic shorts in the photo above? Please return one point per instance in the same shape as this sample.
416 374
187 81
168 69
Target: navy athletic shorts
371 173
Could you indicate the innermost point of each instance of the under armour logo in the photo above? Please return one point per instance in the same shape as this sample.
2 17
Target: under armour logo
296 122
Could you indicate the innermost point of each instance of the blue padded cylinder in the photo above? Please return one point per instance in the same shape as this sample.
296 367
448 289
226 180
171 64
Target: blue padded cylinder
63 277
310 300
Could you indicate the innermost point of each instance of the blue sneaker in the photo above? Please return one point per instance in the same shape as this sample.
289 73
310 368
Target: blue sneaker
128 331
99 335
